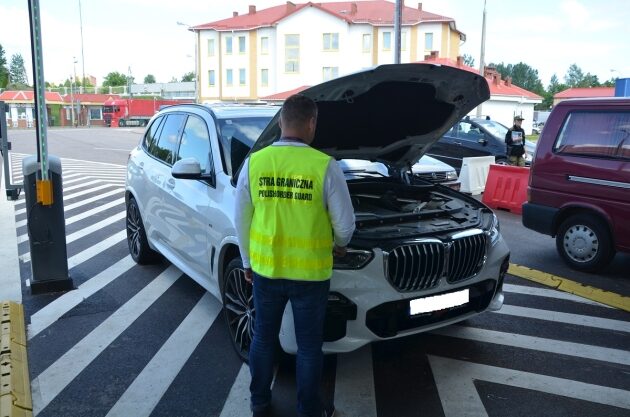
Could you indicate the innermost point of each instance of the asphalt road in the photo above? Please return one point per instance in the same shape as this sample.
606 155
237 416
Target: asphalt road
145 340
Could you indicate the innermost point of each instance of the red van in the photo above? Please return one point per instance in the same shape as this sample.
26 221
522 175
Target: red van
579 184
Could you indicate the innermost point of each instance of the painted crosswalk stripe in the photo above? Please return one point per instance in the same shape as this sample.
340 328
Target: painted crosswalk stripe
568 318
90 252
70 196
50 383
147 389
550 293
78 217
237 401
578 350
54 310
354 384
116 191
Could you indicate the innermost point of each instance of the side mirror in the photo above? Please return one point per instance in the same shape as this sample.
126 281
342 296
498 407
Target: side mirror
187 168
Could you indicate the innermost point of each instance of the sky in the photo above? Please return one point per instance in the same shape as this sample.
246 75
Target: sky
142 36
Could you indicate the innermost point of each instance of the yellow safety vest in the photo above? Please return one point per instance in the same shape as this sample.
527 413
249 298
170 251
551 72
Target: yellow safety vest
291 233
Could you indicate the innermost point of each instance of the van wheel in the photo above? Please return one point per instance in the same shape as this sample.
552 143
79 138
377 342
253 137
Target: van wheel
137 241
585 243
238 307
121 123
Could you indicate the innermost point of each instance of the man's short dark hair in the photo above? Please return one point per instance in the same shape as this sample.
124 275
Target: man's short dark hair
297 110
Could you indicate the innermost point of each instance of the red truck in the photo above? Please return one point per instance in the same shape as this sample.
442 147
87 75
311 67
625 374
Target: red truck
133 111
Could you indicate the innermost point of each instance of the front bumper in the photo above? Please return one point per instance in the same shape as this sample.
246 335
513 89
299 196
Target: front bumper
370 309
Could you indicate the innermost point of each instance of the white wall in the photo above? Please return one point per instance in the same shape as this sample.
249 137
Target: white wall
267 61
436 29
235 61
504 108
207 63
353 51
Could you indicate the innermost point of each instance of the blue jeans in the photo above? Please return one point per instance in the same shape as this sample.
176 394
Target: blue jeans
308 301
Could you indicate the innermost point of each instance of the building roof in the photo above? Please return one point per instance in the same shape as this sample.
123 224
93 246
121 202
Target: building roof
498 87
586 92
284 94
28 97
374 12
95 99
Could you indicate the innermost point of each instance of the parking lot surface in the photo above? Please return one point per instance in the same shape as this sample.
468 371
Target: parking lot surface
147 341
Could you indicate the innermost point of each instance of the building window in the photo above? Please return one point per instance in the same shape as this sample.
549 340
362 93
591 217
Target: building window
264 45
264 77
403 41
210 47
428 41
228 78
292 53
241 76
211 78
96 113
228 45
241 44
367 42
330 73
331 41
387 41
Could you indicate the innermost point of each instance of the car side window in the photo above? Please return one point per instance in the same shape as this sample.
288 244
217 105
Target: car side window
152 133
466 131
600 134
165 147
195 143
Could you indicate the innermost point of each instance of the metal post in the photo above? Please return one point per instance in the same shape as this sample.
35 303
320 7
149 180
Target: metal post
482 64
196 64
82 56
44 200
397 30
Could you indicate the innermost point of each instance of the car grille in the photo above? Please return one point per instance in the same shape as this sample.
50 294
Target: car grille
420 266
416 267
466 257
433 176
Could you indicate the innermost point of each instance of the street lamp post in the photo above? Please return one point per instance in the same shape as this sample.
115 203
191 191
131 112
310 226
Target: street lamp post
78 114
195 72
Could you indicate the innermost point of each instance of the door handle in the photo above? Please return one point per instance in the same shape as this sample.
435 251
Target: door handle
457 143
170 183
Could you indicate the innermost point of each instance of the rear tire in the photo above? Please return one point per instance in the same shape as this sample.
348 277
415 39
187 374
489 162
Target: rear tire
585 243
238 308
139 248
121 123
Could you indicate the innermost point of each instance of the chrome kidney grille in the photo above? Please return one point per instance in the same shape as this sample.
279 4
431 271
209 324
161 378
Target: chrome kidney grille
419 266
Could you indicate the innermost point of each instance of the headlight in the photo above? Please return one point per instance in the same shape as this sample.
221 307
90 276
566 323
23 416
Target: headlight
495 230
354 259
451 176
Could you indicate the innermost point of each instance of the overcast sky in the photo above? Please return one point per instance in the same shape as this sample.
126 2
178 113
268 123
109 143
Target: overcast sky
143 35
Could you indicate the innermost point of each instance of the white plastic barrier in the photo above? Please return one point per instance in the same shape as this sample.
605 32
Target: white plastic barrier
474 174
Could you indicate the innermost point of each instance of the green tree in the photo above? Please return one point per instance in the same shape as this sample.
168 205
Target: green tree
554 87
149 79
522 75
115 79
4 71
189 76
17 71
469 60
574 76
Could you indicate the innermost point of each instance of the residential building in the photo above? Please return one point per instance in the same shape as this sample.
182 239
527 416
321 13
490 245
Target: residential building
589 92
283 47
88 109
22 107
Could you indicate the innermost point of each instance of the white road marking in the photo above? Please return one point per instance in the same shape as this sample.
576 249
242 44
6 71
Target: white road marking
568 318
549 293
237 403
57 376
459 397
151 384
95 198
537 343
70 196
10 287
354 384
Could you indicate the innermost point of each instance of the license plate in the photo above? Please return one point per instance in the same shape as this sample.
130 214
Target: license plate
439 302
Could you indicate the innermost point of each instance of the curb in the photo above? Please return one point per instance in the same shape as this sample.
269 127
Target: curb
563 284
15 387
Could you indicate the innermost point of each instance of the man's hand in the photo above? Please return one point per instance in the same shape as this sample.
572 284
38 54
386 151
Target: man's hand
249 275
339 251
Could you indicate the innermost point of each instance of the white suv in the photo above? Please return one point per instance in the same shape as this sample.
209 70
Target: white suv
422 256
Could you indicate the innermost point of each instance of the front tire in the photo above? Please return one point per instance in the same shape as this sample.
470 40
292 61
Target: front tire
585 243
137 241
238 308
121 123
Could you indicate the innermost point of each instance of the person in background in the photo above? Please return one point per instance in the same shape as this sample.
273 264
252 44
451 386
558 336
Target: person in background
515 141
293 212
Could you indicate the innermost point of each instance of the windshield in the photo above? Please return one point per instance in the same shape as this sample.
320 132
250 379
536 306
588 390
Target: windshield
237 138
108 109
495 128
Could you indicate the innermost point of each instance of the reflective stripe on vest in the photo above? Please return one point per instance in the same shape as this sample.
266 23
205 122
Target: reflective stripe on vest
291 234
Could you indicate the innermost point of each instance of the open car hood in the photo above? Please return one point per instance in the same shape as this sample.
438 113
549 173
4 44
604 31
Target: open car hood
390 113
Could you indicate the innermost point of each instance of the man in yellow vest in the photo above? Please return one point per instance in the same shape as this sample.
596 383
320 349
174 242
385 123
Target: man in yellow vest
293 211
